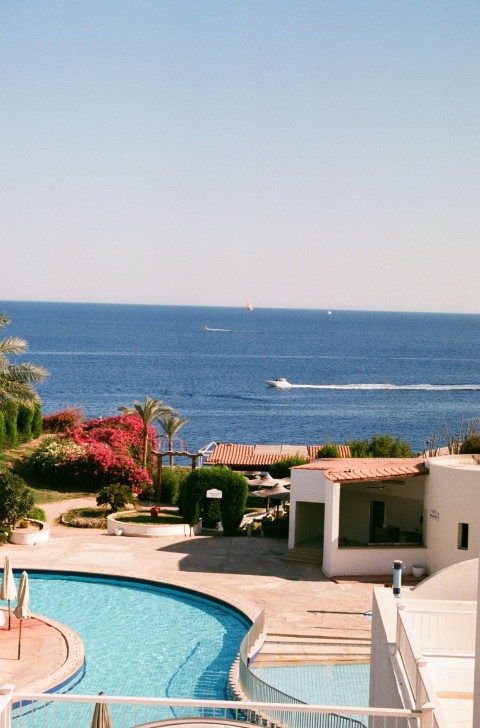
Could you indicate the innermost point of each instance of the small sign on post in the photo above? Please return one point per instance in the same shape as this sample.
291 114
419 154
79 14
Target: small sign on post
214 493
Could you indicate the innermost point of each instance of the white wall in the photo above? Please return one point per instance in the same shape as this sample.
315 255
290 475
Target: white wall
454 582
306 486
371 561
452 496
384 689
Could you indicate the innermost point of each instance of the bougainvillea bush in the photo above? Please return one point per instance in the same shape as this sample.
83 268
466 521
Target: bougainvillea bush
62 421
95 454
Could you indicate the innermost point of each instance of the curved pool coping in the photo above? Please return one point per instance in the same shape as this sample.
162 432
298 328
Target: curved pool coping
71 672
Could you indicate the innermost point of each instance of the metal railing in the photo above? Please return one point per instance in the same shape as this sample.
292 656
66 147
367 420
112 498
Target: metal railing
41 710
299 714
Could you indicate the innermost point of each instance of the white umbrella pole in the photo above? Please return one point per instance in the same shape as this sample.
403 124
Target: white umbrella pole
9 617
19 639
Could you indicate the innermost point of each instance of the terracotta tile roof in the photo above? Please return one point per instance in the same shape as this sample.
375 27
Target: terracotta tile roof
356 470
248 456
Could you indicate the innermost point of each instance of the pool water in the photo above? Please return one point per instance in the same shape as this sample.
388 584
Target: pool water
142 639
321 684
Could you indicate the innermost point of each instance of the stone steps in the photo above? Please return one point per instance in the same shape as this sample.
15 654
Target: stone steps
324 647
305 555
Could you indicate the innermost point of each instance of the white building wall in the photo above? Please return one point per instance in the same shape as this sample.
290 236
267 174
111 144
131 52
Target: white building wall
384 689
452 496
306 486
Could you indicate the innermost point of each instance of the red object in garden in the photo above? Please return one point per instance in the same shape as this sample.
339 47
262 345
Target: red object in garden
154 511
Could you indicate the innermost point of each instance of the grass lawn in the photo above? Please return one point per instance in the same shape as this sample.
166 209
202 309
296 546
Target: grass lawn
46 495
15 458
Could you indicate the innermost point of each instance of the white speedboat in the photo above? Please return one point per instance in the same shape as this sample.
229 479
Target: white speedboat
280 383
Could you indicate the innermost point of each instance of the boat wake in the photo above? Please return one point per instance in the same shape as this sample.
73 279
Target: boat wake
422 387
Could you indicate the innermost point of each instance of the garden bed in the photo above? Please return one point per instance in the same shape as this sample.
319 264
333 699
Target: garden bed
126 523
85 518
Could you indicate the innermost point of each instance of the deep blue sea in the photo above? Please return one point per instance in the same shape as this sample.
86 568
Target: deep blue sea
408 374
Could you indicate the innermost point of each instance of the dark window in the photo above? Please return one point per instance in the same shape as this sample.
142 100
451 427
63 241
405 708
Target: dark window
463 536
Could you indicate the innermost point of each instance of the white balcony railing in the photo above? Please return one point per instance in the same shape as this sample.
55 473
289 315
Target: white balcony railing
35 710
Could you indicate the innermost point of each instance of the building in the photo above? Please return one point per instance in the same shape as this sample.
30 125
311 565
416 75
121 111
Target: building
362 514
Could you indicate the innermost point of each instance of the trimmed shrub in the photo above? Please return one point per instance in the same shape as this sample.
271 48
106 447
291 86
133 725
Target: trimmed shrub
276 528
25 422
16 500
281 469
234 489
11 416
37 420
169 486
3 431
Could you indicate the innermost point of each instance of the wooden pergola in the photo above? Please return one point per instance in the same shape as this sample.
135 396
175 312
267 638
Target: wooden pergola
172 453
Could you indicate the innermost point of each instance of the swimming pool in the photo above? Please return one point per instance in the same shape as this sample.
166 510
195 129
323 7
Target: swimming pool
142 638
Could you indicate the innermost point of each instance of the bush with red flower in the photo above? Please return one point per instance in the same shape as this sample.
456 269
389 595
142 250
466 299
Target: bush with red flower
95 454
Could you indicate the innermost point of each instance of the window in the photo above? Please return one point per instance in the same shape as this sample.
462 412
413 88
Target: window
463 536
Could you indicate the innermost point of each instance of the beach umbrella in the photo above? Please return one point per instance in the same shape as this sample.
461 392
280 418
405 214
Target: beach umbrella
8 590
278 492
101 717
22 610
266 481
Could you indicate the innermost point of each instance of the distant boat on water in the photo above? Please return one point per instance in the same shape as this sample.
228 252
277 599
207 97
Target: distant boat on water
249 307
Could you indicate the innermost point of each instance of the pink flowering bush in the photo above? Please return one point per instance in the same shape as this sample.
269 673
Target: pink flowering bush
96 454
62 421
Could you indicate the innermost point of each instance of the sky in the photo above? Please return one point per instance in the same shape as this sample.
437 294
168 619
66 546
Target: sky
288 153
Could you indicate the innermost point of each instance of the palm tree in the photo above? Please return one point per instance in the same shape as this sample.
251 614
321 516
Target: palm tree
152 409
171 424
16 379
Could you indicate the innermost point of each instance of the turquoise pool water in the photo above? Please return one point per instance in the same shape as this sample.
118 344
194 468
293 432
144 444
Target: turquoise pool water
321 684
142 639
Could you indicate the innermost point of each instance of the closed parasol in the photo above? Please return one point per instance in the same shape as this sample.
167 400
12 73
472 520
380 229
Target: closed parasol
101 717
22 610
8 590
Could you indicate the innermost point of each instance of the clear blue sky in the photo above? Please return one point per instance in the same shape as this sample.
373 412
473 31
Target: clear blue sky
290 153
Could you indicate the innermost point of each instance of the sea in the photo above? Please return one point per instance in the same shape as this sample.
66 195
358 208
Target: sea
356 373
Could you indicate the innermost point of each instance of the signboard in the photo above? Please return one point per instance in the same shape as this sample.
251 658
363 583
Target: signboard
214 493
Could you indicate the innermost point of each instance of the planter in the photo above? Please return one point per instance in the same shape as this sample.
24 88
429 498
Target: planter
418 570
30 537
148 529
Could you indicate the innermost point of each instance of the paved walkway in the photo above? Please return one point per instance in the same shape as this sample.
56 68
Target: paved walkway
251 573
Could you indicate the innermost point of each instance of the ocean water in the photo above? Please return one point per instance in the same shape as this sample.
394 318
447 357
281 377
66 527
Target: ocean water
409 374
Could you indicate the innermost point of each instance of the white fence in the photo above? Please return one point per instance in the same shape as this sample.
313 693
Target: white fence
33 710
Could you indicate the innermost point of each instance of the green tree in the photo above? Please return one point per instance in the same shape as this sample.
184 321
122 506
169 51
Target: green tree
281 469
471 445
151 410
171 424
16 500
16 380
380 446
329 450
116 496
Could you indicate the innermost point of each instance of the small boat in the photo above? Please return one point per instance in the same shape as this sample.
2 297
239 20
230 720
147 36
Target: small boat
249 307
280 383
